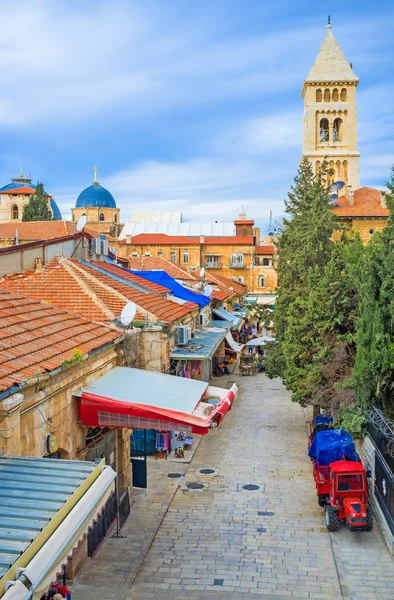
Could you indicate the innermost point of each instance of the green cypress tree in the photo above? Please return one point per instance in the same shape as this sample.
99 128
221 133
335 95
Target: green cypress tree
305 246
374 367
37 207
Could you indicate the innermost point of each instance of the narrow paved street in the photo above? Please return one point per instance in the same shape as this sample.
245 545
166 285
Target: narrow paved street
224 541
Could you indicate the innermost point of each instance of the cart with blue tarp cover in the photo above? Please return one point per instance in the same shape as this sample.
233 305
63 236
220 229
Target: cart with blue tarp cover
340 480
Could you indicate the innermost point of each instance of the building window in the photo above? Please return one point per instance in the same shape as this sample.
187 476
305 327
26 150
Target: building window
335 95
101 217
160 254
324 134
173 257
326 95
337 131
371 231
185 257
240 259
14 212
343 94
319 96
83 214
213 261
115 219
266 262
261 281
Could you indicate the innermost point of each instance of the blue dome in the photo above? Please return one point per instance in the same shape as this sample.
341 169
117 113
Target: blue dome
55 210
97 196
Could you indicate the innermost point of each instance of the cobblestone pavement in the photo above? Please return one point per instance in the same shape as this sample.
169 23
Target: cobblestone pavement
223 541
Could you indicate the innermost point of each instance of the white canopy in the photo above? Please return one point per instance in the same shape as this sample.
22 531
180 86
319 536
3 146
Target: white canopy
232 343
261 341
17 591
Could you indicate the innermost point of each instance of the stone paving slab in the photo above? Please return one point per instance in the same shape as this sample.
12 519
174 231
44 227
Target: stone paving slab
270 543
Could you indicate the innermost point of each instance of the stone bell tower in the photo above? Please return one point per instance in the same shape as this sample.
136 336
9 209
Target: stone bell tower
330 115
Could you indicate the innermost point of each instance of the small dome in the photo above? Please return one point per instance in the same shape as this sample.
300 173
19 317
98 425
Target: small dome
96 196
55 210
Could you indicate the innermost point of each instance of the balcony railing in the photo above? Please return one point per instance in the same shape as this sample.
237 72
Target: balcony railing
236 265
213 265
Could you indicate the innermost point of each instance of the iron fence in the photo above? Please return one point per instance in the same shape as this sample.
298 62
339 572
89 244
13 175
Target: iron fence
384 472
100 528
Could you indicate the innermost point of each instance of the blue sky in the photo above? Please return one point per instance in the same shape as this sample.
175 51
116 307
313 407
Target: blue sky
182 104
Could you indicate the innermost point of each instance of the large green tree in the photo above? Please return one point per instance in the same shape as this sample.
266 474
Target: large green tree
37 207
374 367
305 248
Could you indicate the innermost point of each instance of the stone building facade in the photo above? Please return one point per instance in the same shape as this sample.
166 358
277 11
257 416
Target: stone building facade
15 196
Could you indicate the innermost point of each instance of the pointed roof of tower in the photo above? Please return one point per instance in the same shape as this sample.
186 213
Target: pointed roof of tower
330 63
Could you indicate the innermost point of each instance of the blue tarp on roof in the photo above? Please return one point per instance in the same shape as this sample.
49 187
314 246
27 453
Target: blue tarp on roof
334 444
177 289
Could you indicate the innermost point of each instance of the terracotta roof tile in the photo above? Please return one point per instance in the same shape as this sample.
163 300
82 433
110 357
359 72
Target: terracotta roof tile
162 239
121 272
35 337
158 263
225 284
366 203
265 250
37 230
77 287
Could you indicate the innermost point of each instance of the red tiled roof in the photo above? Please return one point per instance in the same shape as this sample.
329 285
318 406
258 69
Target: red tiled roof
264 250
37 338
366 203
37 230
158 263
19 190
161 239
227 283
120 272
74 286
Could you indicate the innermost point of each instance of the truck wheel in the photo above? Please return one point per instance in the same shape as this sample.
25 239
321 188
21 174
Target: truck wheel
369 523
322 500
332 520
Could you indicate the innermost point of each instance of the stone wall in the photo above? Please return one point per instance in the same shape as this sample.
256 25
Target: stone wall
363 226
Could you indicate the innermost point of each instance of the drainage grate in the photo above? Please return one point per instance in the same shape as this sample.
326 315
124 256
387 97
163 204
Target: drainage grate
174 475
207 471
250 487
265 513
195 486
218 581
262 530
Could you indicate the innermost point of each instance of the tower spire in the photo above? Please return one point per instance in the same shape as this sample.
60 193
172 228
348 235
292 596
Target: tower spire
20 173
329 22
95 175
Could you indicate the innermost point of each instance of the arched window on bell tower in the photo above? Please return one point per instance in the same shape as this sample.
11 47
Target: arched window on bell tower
319 95
327 95
343 95
324 132
337 130
335 95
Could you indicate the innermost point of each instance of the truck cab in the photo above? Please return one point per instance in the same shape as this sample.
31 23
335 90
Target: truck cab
348 497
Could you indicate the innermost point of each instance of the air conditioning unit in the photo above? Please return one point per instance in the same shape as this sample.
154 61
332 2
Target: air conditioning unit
100 246
183 335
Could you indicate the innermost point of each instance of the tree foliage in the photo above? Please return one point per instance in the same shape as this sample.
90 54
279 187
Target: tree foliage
374 368
37 208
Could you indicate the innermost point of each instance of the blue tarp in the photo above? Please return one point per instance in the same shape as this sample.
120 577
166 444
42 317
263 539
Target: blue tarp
177 289
331 445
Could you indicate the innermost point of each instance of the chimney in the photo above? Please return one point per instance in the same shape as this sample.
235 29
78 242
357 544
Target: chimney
128 239
38 265
350 194
201 239
383 200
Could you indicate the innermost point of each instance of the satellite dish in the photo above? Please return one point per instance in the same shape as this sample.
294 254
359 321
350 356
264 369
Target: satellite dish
208 290
231 289
333 198
81 222
128 313
336 186
202 272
